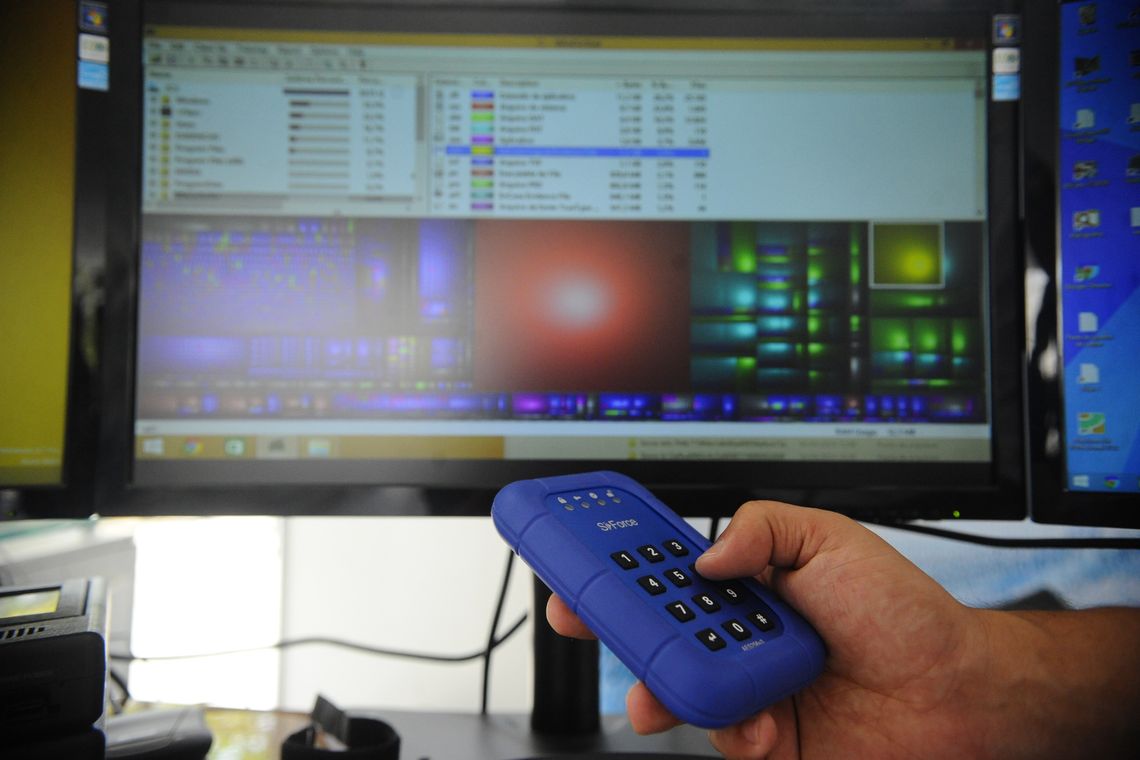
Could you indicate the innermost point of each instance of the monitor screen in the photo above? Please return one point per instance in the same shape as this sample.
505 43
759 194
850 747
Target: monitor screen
43 397
457 246
1091 470
36 155
1099 214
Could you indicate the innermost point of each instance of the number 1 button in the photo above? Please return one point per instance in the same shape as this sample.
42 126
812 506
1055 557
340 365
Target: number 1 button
624 560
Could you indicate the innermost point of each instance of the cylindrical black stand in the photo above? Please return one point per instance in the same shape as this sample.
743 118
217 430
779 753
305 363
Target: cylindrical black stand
565 678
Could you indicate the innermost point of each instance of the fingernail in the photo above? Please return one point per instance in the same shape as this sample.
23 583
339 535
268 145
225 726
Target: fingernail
717 547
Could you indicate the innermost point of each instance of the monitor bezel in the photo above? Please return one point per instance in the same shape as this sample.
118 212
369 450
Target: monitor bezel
1051 501
928 490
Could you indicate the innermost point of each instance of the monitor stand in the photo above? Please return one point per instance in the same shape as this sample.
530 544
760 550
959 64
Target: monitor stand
566 719
566 683
565 723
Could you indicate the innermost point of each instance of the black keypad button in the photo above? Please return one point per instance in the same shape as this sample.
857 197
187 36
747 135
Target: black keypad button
625 560
706 603
712 639
737 630
680 611
733 593
651 553
652 585
678 578
676 548
762 620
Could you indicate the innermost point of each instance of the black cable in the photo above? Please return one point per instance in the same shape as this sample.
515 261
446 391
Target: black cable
714 529
494 627
1092 542
125 693
447 658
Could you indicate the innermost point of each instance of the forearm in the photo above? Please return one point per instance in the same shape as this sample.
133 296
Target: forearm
1056 684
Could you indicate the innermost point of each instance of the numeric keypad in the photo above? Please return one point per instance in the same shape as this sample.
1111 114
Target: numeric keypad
710 601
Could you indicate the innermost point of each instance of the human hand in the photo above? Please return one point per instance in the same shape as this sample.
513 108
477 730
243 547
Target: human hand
898 643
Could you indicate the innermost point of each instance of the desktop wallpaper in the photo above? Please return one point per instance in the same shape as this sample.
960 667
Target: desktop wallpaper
1099 235
37 155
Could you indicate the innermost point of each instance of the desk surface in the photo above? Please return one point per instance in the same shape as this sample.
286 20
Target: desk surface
250 735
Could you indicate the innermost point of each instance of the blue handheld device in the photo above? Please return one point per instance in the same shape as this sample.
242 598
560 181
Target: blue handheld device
714 653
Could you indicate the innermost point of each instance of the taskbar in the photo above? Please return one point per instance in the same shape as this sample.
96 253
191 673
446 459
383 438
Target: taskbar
898 444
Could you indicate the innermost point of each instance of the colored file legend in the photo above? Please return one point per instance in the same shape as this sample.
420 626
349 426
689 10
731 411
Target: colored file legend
482 150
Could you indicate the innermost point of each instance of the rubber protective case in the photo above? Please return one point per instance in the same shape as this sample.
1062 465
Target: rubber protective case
567 528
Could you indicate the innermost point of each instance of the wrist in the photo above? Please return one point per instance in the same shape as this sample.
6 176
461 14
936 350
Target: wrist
1052 684
999 685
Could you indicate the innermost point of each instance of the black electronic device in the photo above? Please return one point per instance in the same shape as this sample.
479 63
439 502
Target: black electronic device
729 249
52 241
53 663
1082 165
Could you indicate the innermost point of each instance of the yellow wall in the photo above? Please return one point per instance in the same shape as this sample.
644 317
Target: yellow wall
37 157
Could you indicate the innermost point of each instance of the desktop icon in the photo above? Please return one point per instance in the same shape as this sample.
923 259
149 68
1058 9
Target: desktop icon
1089 374
1086 273
1134 113
93 17
1090 423
1082 67
1086 119
1088 322
1087 14
1133 168
1007 60
1084 170
234 447
192 447
1081 481
1134 216
94 47
1007 29
1089 219
153 446
1112 481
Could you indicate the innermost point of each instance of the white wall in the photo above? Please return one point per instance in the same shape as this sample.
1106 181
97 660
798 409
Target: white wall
419 584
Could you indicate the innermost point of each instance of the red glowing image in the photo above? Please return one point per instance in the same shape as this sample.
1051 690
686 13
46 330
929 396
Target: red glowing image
581 306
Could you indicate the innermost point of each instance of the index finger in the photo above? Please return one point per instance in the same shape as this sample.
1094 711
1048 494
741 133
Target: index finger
563 620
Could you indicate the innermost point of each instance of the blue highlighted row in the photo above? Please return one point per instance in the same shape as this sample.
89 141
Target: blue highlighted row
568 152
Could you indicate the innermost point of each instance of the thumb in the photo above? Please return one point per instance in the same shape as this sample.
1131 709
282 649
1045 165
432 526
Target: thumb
783 536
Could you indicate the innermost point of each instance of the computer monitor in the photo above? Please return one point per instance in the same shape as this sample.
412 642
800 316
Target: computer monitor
729 249
46 404
1083 215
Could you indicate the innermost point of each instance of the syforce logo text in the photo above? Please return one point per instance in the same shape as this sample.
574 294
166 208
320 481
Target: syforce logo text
609 525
